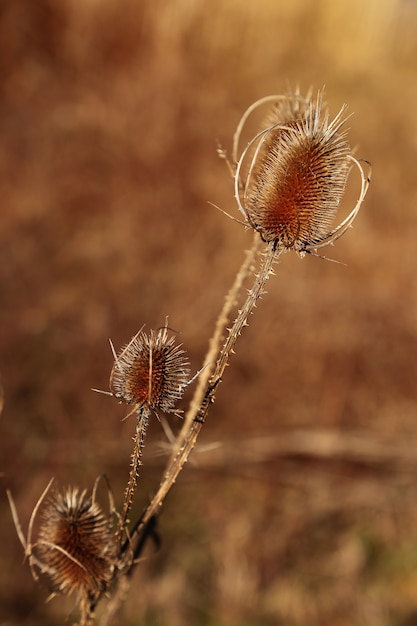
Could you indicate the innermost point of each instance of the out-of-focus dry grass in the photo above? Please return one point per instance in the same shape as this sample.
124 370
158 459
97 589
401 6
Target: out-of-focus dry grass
109 116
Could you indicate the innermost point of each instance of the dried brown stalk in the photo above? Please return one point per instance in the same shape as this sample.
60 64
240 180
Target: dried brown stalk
197 414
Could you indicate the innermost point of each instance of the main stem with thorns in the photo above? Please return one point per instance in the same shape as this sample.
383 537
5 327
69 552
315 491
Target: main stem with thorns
199 410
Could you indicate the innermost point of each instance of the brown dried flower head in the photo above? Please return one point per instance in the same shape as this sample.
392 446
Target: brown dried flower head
290 179
152 371
75 545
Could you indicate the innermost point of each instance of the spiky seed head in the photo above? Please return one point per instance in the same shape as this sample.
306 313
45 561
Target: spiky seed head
151 371
298 184
75 544
287 110
297 174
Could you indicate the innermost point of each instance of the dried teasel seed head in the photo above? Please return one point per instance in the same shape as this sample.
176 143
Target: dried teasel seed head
152 371
75 545
297 168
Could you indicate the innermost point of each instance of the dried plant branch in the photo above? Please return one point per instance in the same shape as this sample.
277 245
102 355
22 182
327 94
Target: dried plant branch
200 406
117 599
27 541
301 445
150 373
136 461
215 342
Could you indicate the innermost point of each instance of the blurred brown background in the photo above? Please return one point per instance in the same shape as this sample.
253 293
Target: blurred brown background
300 503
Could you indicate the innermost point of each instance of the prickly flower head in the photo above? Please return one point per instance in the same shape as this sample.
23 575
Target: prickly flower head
152 371
292 176
75 544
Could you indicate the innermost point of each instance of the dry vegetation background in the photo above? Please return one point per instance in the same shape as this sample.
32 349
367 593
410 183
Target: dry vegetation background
300 504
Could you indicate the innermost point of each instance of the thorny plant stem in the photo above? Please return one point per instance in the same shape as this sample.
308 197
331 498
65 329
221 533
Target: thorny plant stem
136 460
214 346
117 599
206 396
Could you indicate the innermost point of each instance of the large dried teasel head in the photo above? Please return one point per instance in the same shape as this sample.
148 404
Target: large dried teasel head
152 371
75 548
290 179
